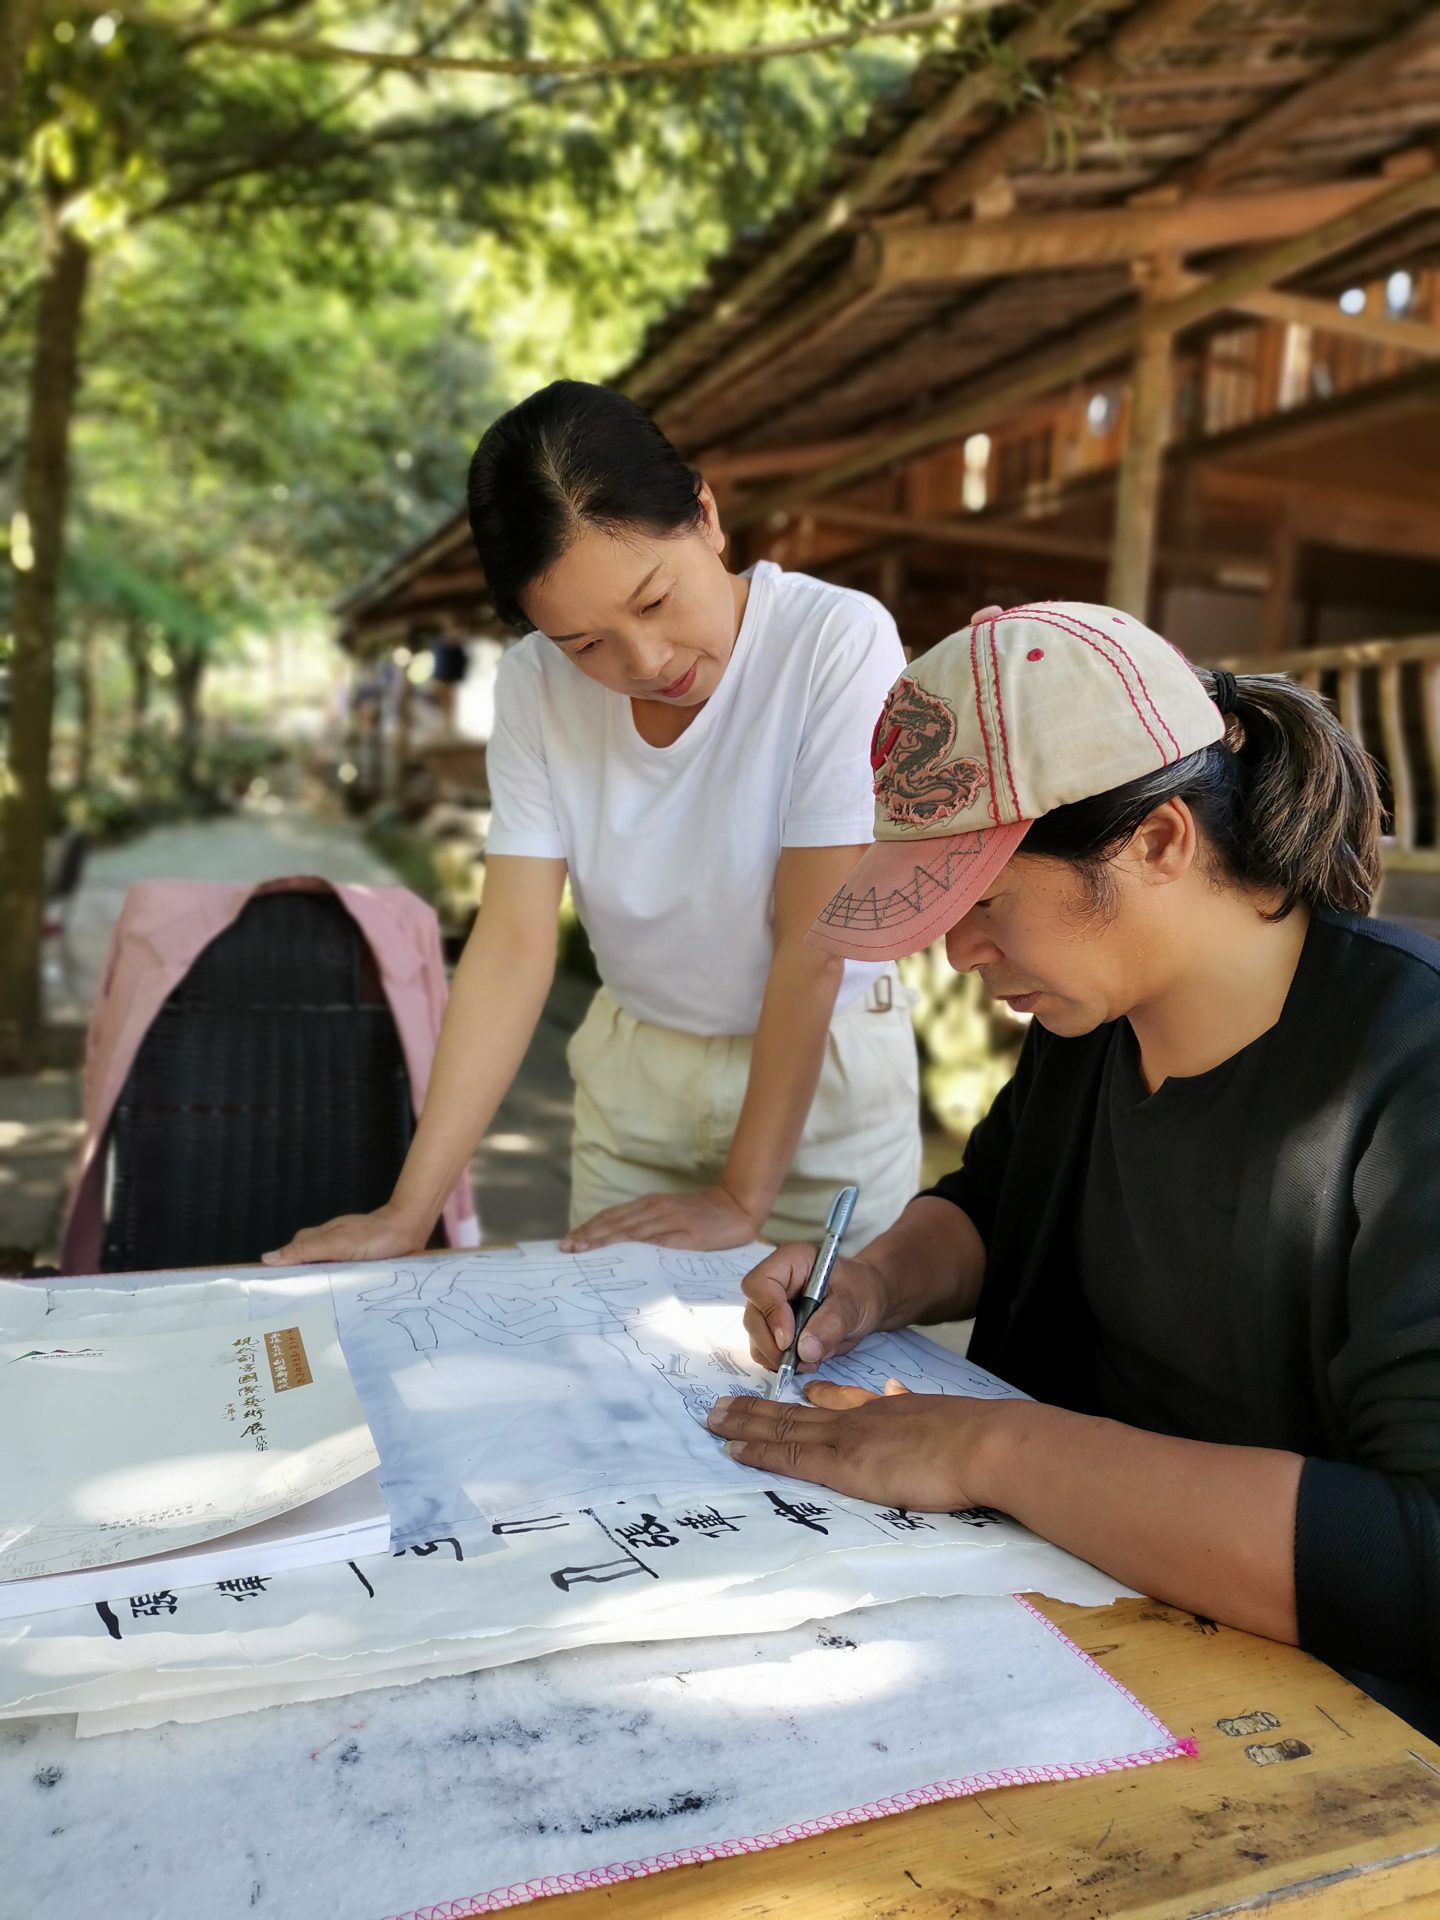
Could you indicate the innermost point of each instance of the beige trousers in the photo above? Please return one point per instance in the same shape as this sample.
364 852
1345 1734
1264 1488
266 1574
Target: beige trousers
655 1111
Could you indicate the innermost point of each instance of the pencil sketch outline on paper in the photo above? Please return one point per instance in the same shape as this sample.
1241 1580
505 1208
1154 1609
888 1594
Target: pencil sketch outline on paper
705 1276
489 1310
936 1371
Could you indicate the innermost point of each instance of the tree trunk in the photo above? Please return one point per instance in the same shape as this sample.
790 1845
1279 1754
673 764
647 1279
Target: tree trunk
137 652
19 19
44 484
189 672
85 702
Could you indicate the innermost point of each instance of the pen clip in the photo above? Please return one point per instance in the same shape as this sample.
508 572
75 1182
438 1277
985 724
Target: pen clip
841 1211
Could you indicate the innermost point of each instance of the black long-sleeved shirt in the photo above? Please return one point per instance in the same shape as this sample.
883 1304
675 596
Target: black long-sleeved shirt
1251 1256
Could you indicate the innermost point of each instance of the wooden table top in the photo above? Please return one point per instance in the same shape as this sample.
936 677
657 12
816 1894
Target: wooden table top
1307 1799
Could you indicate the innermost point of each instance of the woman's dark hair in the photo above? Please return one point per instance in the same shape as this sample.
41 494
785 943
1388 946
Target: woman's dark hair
571 456
1287 803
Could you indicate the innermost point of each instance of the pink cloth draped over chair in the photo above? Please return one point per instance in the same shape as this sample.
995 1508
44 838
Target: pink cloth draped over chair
163 926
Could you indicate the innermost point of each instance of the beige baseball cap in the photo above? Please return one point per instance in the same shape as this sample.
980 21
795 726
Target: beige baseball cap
1020 713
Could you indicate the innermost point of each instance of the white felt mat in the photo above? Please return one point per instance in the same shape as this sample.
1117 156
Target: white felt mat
468 1794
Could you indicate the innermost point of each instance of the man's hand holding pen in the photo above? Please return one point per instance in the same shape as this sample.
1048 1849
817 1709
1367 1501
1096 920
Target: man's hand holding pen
854 1305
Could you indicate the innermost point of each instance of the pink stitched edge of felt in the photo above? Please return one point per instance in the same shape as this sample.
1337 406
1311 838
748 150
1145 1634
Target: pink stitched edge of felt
1189 1748
499 1898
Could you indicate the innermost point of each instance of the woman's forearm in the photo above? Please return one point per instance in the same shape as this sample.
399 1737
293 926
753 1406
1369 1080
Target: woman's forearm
1205 1527
496 996
785 1063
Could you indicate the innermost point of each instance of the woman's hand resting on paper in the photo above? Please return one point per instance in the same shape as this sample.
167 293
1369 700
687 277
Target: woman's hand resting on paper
353 1236
704 1222
925 1451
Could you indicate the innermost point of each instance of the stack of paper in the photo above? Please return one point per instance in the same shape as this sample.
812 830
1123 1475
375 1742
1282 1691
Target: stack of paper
179 1458
552 1483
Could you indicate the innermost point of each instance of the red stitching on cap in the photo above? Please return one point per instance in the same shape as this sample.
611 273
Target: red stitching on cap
1046 612
1150 698
984 736
1000 713
1099 634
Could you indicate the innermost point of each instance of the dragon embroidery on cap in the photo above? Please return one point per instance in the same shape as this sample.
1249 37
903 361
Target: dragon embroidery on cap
914 782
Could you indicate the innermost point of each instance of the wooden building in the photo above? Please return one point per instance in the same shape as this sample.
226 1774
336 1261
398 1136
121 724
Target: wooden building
1167 335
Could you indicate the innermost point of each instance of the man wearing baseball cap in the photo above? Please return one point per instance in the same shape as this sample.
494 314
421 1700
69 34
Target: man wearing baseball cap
1201 1225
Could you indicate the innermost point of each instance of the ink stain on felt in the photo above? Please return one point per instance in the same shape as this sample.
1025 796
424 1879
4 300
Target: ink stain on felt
49 1776
828 1639
631 1816
348 1754
510 1733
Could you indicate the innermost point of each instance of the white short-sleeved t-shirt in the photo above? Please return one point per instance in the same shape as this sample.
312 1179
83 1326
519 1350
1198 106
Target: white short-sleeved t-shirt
672 850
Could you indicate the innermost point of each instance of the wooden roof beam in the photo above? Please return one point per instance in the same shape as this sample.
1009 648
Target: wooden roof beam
996 538
764 463
1165 82
1324 316
1026 137
1051 365
961 533
1043 243
1335 516
1039 39
1338 87
886 257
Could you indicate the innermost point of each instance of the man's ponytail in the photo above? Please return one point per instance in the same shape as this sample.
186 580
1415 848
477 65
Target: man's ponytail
1309 817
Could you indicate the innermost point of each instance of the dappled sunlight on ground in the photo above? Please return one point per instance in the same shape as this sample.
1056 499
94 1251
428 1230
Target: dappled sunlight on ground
40 1133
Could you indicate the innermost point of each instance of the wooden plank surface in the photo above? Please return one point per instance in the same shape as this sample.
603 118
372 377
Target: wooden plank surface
1332 1812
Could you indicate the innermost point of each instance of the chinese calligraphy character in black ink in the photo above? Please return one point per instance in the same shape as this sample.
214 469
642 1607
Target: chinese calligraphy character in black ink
246 1587
709 1521
648 1531
152 1604
427 1547
801 1513
903 1521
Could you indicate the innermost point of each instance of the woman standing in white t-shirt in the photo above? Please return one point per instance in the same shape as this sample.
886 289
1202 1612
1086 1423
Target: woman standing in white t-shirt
689 747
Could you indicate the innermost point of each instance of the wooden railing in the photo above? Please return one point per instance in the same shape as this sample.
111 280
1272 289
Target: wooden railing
1387 694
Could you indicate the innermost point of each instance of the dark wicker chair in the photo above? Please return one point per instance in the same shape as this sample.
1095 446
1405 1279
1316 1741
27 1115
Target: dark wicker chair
269 1094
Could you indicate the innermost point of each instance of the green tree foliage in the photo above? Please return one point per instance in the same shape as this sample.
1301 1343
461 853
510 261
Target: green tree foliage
255 308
